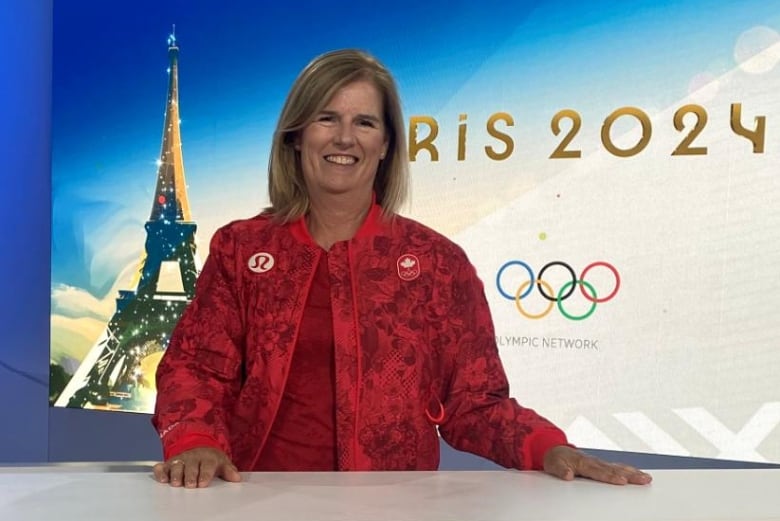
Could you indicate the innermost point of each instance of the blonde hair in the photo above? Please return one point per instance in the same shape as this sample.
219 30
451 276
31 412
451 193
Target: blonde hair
311 92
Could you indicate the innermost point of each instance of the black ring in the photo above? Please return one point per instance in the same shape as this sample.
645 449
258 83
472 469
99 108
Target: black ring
573 279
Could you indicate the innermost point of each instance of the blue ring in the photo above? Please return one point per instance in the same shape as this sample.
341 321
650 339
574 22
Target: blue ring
501 271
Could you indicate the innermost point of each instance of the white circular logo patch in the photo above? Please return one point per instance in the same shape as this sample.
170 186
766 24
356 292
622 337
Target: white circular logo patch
261 262
408 267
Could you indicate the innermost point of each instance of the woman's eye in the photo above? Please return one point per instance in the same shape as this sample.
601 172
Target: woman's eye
326 118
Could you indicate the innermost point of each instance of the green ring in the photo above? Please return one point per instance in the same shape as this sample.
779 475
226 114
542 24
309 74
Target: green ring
592 306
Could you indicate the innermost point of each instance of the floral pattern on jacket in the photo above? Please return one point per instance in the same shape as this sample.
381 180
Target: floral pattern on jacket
412 354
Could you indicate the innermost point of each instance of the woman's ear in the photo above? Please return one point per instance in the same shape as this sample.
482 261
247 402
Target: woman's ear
293 139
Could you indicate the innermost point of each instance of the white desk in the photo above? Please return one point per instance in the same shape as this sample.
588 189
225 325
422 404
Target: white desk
70 494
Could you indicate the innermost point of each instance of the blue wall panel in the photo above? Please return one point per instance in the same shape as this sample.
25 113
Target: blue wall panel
25 108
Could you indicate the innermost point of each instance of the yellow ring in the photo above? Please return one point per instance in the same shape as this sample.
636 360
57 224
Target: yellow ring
520 307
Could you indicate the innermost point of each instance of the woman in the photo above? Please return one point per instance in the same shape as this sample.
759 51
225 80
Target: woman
329 333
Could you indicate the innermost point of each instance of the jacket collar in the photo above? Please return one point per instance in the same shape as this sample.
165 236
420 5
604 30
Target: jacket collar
370 227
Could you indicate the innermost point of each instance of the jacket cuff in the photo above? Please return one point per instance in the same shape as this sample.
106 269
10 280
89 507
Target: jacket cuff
190 441
538 443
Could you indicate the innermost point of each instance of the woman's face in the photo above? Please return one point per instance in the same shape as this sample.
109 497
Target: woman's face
341 148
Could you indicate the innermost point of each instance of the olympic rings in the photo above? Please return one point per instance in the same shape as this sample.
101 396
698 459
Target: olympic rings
566 290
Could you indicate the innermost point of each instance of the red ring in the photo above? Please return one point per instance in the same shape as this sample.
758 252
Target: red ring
614 272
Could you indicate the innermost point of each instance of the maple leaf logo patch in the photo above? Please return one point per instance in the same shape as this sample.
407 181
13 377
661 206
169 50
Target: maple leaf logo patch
408 267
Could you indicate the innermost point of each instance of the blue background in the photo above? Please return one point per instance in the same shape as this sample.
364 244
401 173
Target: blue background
31 431
25 103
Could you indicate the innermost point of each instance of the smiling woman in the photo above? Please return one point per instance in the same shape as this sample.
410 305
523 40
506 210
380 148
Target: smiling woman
361 334
340 154
338 89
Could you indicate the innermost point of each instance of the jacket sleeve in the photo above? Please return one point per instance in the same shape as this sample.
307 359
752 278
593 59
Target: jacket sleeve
479 415
199 376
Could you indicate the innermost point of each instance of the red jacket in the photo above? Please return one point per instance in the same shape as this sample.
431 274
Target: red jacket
414 347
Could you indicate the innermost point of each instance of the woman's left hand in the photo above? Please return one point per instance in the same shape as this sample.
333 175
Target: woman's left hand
566 463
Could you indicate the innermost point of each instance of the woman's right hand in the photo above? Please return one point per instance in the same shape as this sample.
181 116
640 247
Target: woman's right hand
195 468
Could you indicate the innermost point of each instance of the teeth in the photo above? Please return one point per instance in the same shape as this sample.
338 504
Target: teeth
341 160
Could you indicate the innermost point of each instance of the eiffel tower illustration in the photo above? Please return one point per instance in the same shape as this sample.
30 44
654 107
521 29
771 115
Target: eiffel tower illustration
118 372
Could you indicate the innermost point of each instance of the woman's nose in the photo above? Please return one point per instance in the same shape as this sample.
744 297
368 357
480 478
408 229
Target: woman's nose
345 135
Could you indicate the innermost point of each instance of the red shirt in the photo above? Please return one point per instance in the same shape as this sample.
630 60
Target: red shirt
303 436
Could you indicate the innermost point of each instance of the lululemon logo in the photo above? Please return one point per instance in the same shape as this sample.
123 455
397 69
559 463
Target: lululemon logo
408 267
261 262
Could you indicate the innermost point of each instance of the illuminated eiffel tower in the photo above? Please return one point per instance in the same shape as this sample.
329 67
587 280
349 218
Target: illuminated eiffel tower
118 372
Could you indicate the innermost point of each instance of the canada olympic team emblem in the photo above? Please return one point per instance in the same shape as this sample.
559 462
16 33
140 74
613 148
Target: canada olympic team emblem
261 262
408 267
520 288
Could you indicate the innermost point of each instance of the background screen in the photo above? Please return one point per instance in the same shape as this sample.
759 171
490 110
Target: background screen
610 169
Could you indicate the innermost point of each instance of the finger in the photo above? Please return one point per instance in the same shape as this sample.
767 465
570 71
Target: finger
638 477
229 472
176 472
160 472
566 473
191 471
601 471
208 468
633 474
560 467
628 469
